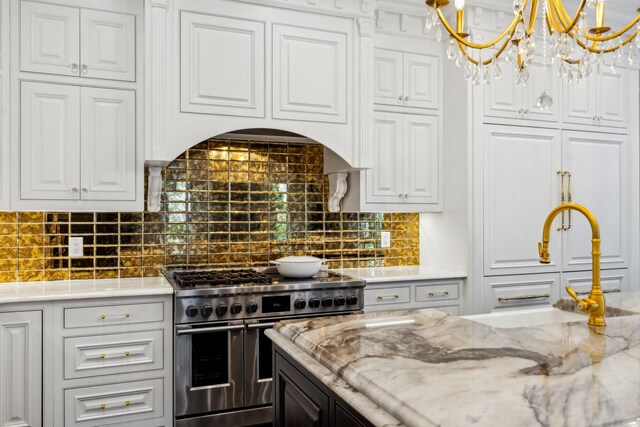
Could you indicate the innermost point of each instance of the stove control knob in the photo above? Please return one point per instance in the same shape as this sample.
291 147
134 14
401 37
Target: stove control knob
221 309
327 302
236 308
340 300
314 302
252 307
352 300
299 304
191 311
207 310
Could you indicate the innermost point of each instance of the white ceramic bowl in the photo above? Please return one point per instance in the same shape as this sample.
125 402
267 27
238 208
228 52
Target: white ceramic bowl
298 266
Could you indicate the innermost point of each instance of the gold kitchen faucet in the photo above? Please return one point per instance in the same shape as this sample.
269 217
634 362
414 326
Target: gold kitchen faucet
594 304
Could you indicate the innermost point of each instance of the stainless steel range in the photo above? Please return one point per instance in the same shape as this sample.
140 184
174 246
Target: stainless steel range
223 360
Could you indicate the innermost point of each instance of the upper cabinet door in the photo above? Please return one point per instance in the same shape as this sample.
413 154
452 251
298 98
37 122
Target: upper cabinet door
49 141
384 180
421 81
599 181
49 38
222 65
309 74
108 147
613 98
387 78
580 104
107 45
422 159
502 97
520 187
539 80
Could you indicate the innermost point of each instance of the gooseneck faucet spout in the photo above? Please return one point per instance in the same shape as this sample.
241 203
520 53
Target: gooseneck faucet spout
594 304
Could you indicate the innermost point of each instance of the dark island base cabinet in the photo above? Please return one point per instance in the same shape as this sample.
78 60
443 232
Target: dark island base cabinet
303 401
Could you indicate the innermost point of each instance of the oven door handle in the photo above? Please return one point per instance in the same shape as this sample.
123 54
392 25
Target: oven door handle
261 325
213 329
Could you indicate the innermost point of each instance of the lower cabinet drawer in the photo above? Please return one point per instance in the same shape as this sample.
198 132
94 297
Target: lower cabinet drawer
380 296
113 403
437 292
520 291
109 315
113 354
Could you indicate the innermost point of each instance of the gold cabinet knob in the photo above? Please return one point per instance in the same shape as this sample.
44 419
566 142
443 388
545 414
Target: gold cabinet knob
103 316
103 406
127 315
102 355
126 353
127 402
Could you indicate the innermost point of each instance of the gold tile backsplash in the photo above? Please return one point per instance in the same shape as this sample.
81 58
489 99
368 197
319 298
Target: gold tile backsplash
225 203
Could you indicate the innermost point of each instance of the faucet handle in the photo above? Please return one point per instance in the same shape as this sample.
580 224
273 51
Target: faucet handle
586 305
572 293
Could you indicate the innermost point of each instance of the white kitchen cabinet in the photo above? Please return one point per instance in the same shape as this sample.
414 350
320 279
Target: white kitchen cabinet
611 281
309 74
5 107
406 79
519 291
598 163
237 87
21 368
77 143
407 160
598 100
503 98
64 40
439 294
520 187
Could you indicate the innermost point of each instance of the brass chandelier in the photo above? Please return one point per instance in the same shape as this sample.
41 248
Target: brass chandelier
578 48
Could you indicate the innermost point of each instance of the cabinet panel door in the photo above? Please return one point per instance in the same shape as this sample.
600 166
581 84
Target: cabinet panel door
388 75
611 281
108 151
579 102
49 38
309 74
422 159
108 45
421 80
502 97
613 98
520 187
21 369
537 82
222 65
526 290
384 180
599 179
49 141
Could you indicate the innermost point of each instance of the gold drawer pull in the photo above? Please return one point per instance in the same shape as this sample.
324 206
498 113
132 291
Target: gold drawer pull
443 293
105 316
523 297
381 297
604 291
103 406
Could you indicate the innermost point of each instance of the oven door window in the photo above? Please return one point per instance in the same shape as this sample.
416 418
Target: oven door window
265 356
209 359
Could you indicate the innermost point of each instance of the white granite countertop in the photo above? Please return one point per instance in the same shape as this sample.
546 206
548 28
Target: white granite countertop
427 368
399 274
77 289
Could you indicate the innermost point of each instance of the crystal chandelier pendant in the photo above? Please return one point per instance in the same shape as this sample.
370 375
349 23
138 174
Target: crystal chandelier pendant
544 101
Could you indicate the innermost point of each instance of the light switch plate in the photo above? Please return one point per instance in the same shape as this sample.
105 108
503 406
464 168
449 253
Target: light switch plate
385 239
76 247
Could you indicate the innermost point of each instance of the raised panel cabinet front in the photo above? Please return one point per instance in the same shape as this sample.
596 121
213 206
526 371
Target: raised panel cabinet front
21 369
388 77
539 80
422 165
222 65
579 101
598 164
108 151
384 180
526 290
503 98
309 74
613 99
49 38
49 141
520 187
421 80
107 45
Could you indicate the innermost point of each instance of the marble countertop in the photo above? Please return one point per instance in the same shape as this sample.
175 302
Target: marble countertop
425 367
398 274
76 289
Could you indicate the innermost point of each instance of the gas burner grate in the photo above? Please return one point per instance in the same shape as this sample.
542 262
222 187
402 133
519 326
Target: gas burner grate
220 278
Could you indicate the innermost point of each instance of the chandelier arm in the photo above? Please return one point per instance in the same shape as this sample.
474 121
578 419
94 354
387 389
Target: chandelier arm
553 20
488 61
532 17
613 35
594 49
558 6
460 39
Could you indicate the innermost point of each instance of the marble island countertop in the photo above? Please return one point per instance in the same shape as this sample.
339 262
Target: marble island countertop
22 292
425 367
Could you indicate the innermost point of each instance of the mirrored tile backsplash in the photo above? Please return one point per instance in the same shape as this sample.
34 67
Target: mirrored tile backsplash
226 203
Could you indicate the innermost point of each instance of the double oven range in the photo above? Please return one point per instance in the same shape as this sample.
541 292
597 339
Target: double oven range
223 360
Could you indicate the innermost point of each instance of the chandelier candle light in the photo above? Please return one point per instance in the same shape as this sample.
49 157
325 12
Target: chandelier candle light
578 48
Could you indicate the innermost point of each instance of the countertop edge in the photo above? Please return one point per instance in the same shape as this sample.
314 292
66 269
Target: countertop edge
374 275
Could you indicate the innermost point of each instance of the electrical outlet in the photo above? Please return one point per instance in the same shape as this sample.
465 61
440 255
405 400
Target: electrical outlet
385 239
76 247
